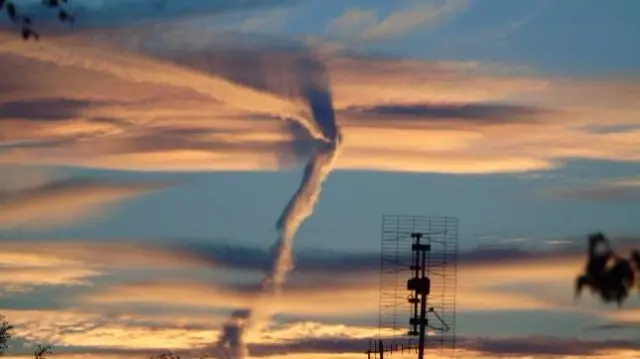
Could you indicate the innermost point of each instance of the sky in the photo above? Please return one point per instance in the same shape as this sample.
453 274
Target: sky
159 160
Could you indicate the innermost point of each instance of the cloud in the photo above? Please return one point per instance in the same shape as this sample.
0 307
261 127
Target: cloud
610 190
43 110
311 288
366 24
218 105
229 255
548 346
92 329
519 279
267 20
515 283
26 266
92 14
86 329
122 255
301 300
622 320
23 279
61 202
131 335
132 316
492 113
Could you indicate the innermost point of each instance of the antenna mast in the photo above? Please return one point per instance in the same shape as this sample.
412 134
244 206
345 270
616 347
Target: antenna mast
424 248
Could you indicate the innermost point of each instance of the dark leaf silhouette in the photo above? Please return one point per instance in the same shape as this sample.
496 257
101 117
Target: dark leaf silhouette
6 330
167 355
607 274
42 350
26 23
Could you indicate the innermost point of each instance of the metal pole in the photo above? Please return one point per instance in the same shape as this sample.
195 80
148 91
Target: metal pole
423 309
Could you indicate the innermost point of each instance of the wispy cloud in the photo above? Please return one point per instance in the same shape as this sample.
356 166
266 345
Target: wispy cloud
268 21
611 190
166 312
128 337
61 202
76 260
26 266
366 24
20 279
116 13
516 283
453 117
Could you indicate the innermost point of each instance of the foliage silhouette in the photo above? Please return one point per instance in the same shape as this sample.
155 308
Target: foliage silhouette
607 274
25 22
172 355
6 330
42 350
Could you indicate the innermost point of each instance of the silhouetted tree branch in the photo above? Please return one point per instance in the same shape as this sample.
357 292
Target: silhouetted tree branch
167 355
24 20
6 330
607 274
172 355
42 350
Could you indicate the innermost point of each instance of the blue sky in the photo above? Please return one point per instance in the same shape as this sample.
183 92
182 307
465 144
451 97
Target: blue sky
152 149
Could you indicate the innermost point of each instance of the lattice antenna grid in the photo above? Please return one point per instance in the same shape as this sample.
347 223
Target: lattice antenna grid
417 313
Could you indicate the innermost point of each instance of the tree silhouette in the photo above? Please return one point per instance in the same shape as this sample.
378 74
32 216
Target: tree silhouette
42 350
607 274
24 20
6 330
172 355
167 355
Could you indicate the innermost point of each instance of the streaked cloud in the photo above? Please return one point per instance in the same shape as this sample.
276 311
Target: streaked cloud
268 21
453 117
125 338
97 14
121 254
22 279
517 277
61 202
299 300
171 97
367 24
29 265
509 284
136 334
76 328
126 315
610 190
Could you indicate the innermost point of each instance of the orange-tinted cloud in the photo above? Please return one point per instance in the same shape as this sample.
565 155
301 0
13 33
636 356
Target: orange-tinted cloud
364 24
125 316
481 287
60 202
134 335
611 190
499 281
27 265
215 108
487 280
121 255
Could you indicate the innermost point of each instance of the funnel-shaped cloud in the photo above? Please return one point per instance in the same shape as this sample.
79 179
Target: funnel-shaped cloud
313 84
298 209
